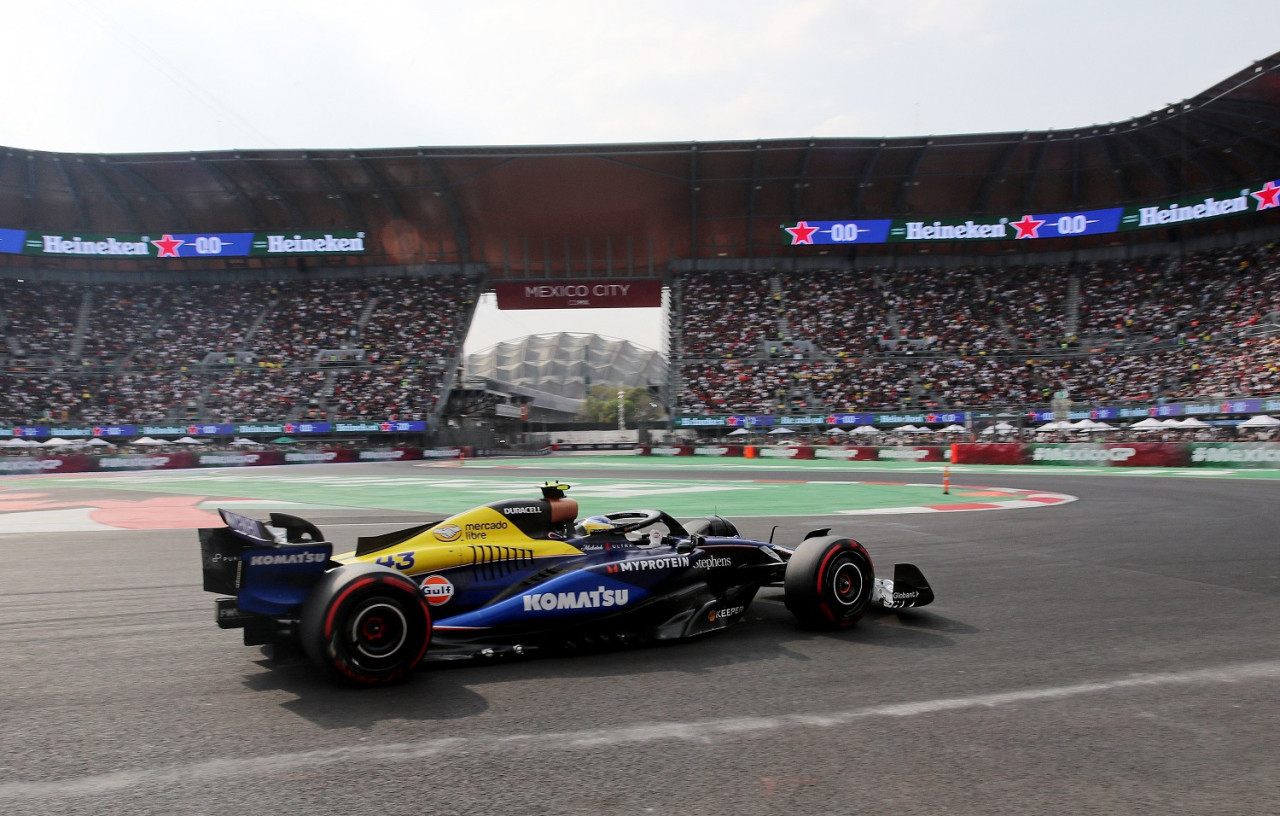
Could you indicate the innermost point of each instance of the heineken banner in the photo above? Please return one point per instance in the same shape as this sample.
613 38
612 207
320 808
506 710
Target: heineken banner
182 245
1037 225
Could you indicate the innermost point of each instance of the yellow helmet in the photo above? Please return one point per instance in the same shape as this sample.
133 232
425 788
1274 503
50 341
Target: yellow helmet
593 524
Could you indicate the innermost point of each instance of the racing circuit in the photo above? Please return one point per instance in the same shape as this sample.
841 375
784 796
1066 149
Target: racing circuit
1112 650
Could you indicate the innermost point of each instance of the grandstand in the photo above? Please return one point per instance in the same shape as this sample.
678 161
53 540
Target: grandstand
338 286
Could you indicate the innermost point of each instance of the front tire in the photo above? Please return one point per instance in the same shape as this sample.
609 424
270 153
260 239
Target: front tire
828 582
365 625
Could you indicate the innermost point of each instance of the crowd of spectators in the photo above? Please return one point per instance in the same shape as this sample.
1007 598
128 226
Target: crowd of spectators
88 353
842 311
727 314
1175 328
1149 329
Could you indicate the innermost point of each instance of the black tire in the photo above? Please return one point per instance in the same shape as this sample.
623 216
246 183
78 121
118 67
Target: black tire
828 582
365 625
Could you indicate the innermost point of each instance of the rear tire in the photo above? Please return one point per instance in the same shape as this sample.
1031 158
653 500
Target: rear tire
366 625
828 582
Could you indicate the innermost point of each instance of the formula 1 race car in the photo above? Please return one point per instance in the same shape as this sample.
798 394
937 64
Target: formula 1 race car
517 576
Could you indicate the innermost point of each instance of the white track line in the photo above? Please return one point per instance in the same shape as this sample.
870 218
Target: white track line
705 732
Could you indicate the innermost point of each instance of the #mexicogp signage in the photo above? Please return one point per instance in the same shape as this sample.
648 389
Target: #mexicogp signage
183 245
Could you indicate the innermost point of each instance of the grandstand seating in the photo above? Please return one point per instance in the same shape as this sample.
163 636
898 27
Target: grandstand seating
229 352
1108 332
833 340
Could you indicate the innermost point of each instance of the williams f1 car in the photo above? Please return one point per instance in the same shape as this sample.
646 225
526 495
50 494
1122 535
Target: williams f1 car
522 575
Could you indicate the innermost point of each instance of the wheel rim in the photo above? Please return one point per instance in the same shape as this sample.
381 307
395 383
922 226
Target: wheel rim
846 583
379 629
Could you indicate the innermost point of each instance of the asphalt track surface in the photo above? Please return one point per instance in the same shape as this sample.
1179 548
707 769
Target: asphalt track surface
1117 654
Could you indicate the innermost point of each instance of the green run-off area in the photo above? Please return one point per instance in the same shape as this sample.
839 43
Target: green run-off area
452 490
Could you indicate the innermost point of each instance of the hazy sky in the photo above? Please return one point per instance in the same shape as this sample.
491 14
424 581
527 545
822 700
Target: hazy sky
159 75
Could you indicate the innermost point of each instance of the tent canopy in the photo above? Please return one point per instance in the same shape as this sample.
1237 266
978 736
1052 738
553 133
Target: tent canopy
1260 421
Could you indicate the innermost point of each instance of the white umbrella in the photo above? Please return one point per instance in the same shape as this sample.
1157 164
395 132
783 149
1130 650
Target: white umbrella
98 442
1148 424
780 431
1192 422
186 440
1055 426
146 440
954 429
58 442
1260 421
242 442
864 430
907 429
1099 427
837 432
923 430
1170 423
738 432
14 442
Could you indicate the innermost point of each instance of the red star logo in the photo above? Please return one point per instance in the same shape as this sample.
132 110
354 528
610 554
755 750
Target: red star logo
1267 196
168 246
289 428
17 432
801 233
386 426
191 429
97 432
1028 227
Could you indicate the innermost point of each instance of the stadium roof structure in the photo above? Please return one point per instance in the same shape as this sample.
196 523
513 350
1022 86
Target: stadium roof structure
564 363
619 210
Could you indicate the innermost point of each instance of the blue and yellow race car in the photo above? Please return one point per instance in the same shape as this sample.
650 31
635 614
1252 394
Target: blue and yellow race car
518 576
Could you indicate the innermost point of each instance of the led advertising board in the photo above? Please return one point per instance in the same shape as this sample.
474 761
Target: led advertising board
1030 226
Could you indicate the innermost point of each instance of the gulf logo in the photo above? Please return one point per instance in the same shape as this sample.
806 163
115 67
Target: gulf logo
437 589
449 532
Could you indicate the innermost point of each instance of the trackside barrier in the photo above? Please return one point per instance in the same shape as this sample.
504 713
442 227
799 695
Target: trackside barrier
860 453
1125 454
1077 454
32 465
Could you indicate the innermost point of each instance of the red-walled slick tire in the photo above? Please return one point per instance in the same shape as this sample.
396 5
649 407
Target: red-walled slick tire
829 582
366 625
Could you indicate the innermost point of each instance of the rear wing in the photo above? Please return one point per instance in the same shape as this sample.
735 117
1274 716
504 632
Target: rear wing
269 569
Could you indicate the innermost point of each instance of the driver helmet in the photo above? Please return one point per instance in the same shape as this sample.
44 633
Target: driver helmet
593 524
